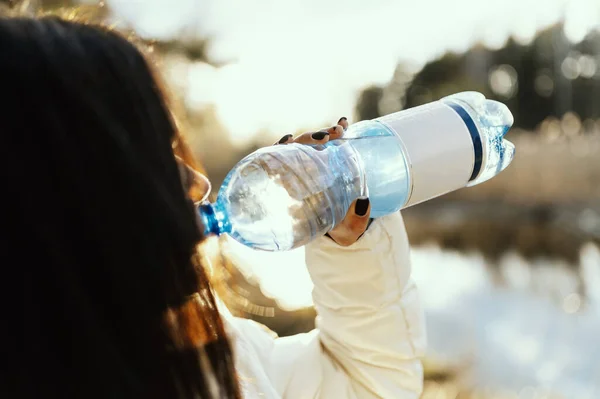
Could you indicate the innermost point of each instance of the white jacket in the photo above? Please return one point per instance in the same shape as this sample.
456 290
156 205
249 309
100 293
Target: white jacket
370 332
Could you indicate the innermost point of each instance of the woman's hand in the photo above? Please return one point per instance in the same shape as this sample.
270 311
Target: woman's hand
357 220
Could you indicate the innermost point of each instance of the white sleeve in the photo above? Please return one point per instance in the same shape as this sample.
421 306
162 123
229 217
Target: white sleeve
370 333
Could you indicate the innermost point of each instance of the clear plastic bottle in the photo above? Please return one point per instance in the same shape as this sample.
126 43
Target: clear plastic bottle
282 197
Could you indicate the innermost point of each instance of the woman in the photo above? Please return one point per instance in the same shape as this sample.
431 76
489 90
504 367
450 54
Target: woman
104 296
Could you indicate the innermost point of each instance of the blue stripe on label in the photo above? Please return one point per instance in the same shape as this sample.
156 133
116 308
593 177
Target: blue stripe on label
477 146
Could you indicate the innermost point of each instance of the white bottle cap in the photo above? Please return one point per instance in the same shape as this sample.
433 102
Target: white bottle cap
439 148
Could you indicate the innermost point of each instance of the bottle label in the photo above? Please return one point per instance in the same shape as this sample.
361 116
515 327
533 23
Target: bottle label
439 149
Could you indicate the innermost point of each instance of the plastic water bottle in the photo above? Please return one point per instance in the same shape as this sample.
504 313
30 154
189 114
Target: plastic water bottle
282 197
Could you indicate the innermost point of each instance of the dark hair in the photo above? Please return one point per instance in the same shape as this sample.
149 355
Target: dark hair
104 294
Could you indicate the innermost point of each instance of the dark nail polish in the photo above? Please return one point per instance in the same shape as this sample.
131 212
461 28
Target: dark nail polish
284 138
319 135
343 118
362 204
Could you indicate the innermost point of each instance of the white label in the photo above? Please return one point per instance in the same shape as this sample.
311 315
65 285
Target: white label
439 149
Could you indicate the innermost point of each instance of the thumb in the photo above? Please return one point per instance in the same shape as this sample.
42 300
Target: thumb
354 224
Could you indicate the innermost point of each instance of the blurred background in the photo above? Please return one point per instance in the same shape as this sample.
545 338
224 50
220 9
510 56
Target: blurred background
509 270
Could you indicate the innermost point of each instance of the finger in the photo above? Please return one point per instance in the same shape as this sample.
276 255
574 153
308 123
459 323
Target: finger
357 218
288 138
343 122
354 223
336 132
320 137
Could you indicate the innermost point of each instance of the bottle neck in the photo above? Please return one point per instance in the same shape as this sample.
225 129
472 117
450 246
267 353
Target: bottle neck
214 219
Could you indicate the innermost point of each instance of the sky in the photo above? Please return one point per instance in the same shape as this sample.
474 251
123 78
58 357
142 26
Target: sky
300 64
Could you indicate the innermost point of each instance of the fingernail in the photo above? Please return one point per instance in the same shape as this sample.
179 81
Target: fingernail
362 204
284 138
319 135
343 122
343 118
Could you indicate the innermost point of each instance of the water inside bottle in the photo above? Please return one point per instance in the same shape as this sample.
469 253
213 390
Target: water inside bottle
384 163
281 198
